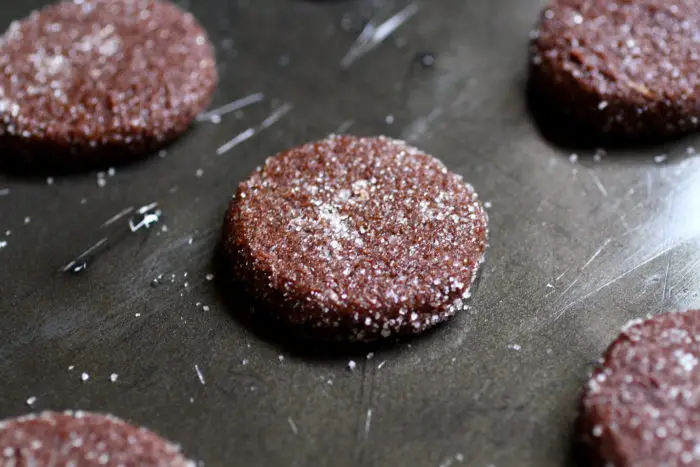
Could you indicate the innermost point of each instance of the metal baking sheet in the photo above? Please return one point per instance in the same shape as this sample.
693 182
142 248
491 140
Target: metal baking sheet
578 246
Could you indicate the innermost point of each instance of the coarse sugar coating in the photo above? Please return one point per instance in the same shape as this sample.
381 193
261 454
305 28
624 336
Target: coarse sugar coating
98 82
618 68
356 239
83 439
641 407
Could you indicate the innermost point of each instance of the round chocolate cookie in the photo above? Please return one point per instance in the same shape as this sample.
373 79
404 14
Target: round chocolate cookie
627 70
642 405
83 439
356 238
98 82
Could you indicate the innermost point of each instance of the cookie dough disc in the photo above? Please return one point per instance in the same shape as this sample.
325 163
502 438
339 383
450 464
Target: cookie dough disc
642 405
97 82
356 238
83 439
623 69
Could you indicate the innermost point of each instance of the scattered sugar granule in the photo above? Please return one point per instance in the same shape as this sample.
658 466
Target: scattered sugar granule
352 365
31 400
113 377
84 376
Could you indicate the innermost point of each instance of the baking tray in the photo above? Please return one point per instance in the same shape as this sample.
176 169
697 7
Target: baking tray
578 247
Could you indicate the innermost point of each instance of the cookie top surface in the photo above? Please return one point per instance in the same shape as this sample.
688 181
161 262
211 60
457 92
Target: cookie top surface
357 225
83 439
642 51
642 406
91 72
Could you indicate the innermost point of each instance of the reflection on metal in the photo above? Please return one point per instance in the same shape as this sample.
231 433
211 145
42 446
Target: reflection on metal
634 249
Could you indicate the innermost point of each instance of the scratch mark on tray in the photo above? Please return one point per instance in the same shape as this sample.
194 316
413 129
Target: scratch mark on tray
368 423
685 273
199 374
668 270
144 217
215 115
365 412
273 118
419 126
568 287
119 215
658 236
80 262
598 183
276 115
293 426
597 253
343 127
372 36
564 309
238 139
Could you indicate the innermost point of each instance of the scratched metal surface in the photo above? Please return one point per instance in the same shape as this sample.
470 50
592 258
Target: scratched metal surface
577 249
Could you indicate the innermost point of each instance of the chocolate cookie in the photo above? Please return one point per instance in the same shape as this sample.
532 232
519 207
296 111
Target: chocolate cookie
98 82
627 70
642 405
356 238
83 439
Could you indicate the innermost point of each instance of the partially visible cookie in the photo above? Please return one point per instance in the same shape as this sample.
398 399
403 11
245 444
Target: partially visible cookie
621 69
83 439
98 82
642 405
356 239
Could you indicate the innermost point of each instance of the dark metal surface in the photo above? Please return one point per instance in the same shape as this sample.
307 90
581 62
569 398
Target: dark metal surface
577 249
